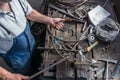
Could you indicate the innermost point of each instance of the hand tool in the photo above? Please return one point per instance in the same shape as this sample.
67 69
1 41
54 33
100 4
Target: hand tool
109 60
116 69
92 46
107 66
74 20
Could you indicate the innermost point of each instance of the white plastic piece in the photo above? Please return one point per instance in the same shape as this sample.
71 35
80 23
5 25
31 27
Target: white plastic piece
97 15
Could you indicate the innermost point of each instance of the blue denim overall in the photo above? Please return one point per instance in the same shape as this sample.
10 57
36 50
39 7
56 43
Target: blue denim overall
19 57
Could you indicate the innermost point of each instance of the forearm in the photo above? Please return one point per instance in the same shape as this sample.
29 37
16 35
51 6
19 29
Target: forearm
38 17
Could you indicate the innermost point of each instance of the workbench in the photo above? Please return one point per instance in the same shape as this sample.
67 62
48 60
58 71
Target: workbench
61 43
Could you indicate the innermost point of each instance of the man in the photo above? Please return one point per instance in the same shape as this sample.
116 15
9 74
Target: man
16 40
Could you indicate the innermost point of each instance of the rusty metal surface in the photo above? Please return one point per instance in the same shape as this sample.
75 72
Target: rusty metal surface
66 38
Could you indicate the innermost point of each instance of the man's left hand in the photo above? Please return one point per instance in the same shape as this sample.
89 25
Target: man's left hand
57 22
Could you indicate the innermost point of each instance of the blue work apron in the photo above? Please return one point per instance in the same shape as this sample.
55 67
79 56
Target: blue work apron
19 57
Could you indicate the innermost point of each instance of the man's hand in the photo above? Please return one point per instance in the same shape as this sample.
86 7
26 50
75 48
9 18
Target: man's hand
56 22
6 75
11 76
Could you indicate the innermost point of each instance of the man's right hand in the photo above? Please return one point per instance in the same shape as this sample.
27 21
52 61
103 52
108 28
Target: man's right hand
6 75
12 76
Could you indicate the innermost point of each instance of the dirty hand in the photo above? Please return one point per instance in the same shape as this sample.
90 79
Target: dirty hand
12 76
56 22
